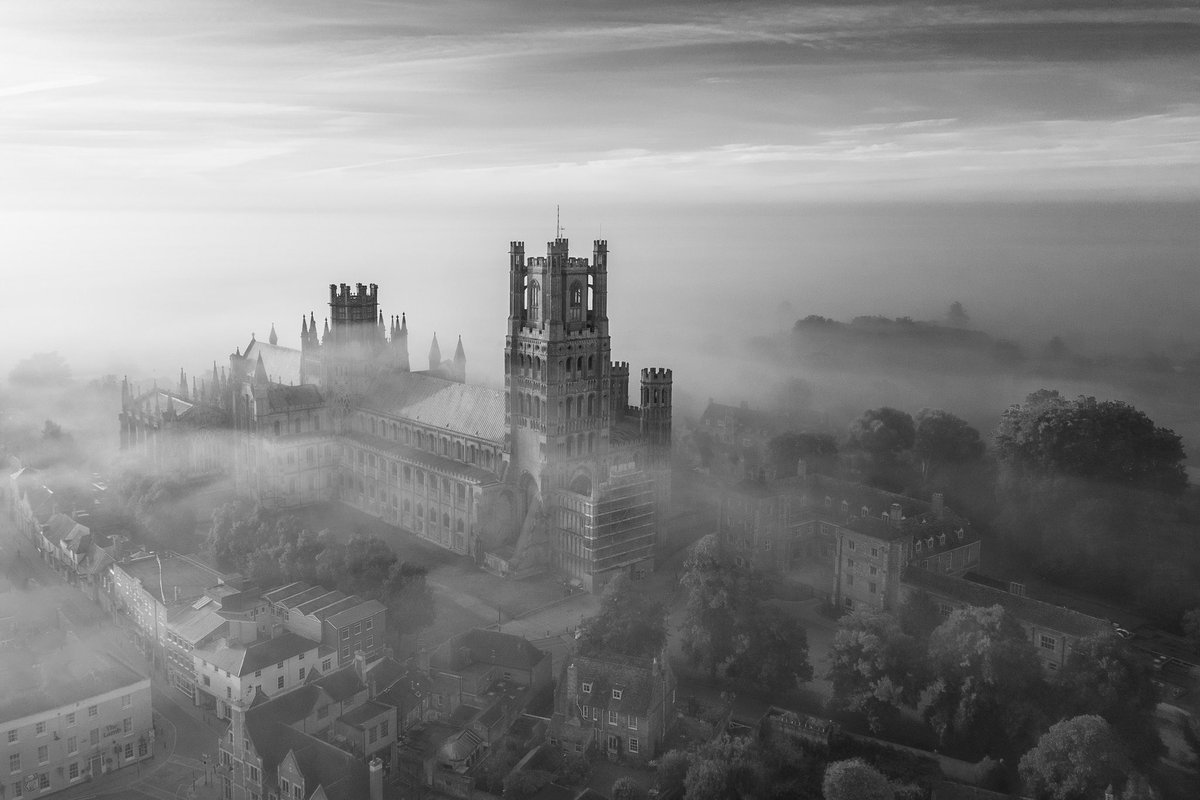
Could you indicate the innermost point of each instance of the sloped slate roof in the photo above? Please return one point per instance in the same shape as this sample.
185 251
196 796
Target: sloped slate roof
282 363
281 398
192 624
1025 609
634 677
501 649
470 409
242 660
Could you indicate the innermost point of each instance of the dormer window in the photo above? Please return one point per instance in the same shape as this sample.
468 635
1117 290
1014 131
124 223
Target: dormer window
918 545
864 512
587 687
616 694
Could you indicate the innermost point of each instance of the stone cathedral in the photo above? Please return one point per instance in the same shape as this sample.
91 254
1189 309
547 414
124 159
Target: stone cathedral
555 472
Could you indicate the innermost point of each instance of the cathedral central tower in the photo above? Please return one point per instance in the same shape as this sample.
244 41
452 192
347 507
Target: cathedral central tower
556 364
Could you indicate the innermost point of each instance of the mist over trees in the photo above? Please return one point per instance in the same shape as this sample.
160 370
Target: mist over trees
729 632
273 548
630 623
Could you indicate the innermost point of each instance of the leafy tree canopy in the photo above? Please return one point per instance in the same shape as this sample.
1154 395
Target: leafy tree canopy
942 438
1104 440
882 431
854 779
987 691
1102 676
727 630
873 666
1077 759
630 622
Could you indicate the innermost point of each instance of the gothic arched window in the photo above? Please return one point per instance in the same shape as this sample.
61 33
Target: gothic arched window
534 302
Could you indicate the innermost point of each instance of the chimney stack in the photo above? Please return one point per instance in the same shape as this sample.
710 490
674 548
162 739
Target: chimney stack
939 505
375 770
895 513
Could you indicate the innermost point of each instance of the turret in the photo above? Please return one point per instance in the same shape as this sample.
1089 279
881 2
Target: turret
273 338
618 395
183 387
656 406
303 332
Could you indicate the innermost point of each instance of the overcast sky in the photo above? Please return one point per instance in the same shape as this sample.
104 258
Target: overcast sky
177 175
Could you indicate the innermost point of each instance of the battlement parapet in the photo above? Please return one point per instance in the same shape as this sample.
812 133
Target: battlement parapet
656 375
362 295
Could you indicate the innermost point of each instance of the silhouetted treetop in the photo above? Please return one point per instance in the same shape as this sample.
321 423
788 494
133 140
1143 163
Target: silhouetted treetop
1104 440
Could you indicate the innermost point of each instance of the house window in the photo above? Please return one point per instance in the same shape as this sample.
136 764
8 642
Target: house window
874 552
18 789
633 721
383 728
616 694
874 570
43 780
92 711
12 736
253 772
850 543
127 724
72 744
43 754
366 624
14 762
372 734
94 737
1048 642
871 587
279 683
612 717
357 628
325 665
345 633
40 729
302 673
633 744
73 771
369 642
71 718
850 564
587 686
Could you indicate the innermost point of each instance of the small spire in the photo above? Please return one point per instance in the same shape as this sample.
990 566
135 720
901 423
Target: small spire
459 355
273 339
260 371
403 324
435 353
303 328
312 329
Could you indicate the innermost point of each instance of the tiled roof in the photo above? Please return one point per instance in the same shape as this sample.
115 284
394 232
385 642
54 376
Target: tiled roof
193 625
1025 609
351 614
470 409
281 398
35 682
634 677
243 659
282 363
341 684
60 527
494 647
360 715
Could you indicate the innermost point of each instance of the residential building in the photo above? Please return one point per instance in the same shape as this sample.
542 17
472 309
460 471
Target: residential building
622 705
229 669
